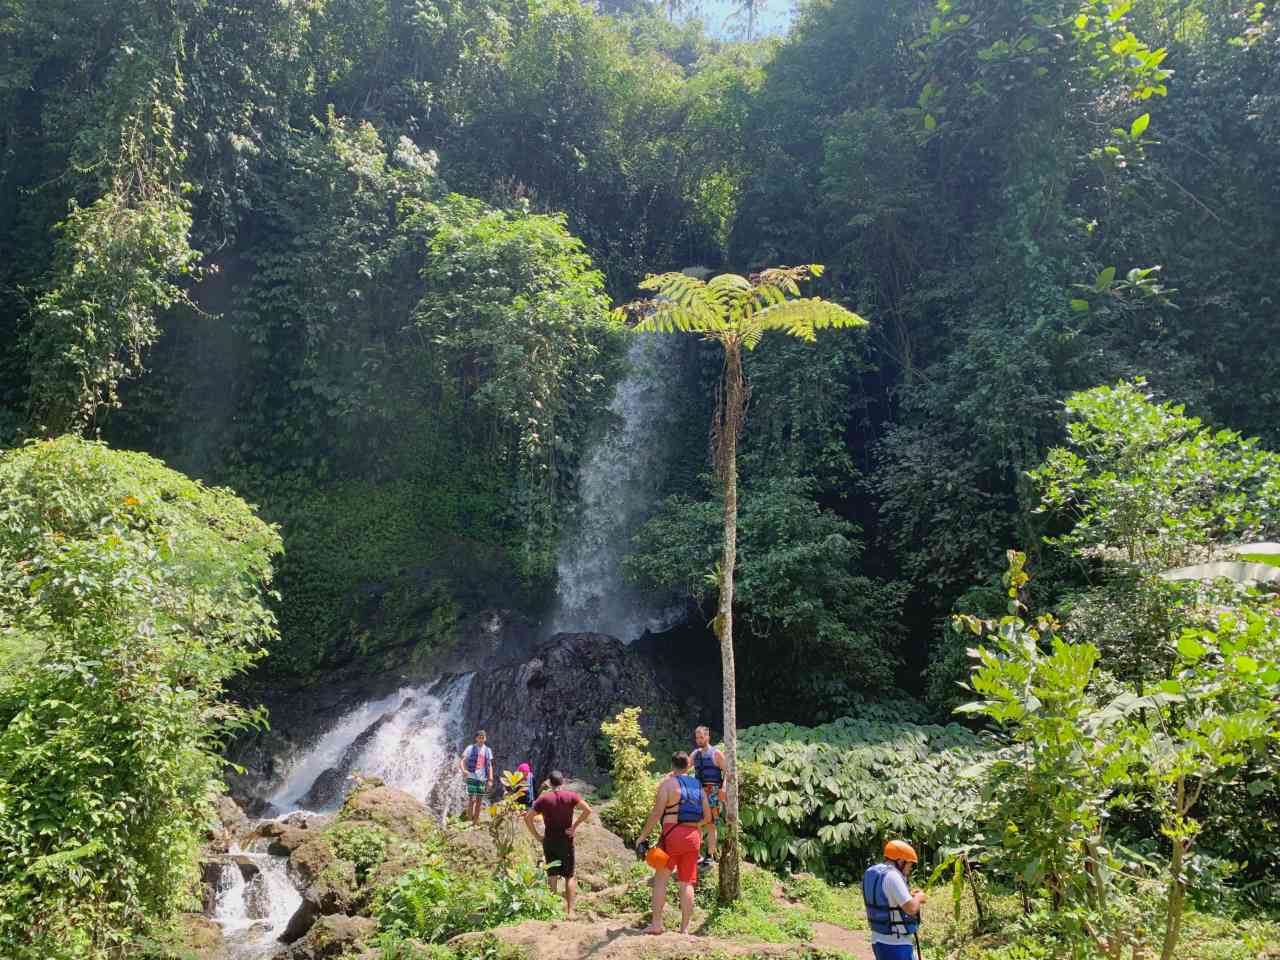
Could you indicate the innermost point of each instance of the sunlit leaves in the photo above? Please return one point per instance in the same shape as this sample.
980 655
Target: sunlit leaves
821 796
1149 485
146 591
737 310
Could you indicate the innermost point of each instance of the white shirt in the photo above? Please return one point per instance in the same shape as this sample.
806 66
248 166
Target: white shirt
896 892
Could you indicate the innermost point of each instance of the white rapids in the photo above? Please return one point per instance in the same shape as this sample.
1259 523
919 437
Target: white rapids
254 912
407 739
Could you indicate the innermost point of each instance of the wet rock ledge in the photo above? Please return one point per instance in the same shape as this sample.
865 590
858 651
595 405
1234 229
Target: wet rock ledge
541 701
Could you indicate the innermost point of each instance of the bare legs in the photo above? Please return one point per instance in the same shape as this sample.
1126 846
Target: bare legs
474 803
570 892
659 903
686 906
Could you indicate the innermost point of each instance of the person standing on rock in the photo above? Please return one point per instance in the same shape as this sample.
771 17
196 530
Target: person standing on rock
708 767
476 764
680 805
557 807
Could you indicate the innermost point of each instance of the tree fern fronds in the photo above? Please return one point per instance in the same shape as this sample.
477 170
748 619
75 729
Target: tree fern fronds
729 287
800 318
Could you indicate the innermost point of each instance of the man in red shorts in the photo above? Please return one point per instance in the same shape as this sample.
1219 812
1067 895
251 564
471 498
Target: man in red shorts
681 807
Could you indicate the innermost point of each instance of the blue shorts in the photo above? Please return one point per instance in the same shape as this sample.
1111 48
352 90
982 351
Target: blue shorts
893 951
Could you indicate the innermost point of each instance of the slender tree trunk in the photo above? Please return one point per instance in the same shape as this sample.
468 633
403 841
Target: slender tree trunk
730 423
1177 886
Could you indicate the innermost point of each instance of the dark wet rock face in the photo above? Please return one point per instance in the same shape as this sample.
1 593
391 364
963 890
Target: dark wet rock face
541 701
546 709
326 791
302 920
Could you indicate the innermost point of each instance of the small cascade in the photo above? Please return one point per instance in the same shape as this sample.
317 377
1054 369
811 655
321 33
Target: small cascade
414 749
406 739
253 903
618 487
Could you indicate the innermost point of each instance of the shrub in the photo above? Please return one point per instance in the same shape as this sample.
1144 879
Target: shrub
134 593
434 904
633 785
825 798
364 845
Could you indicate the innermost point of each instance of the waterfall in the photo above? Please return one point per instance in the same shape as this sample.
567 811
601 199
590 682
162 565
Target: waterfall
406 738
253 912
618 486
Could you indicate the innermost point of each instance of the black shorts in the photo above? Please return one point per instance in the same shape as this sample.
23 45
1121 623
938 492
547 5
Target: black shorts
561 849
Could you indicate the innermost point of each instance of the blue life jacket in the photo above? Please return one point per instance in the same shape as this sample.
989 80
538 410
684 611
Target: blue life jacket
472 755
528 789
881 917
704 762
689 808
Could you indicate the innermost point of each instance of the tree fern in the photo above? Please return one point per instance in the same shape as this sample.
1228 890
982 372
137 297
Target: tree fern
736 312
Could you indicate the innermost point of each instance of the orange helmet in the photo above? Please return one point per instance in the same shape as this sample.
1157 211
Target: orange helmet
900 850
656 858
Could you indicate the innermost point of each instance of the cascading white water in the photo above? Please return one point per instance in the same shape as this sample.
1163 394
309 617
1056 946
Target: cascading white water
414 749
254 912
618 485
407 739
326 752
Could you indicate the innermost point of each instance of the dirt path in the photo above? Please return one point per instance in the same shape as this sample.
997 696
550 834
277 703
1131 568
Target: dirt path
623 939
830 937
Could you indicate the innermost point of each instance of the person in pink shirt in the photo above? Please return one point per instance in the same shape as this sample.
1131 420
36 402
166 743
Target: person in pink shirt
528 797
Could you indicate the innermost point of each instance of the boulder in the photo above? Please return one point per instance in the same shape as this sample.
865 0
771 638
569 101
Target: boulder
394 810
288 840
329 883
234 820
326 791
248 868
228 825
301 922
330 937
203 937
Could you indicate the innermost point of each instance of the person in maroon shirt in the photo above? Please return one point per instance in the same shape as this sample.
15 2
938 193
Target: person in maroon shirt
556 807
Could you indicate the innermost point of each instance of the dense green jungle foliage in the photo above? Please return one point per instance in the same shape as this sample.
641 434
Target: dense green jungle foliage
128 596
238 237
354 259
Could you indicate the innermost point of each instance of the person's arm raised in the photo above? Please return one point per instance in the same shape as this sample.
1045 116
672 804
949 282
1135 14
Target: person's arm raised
918 899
